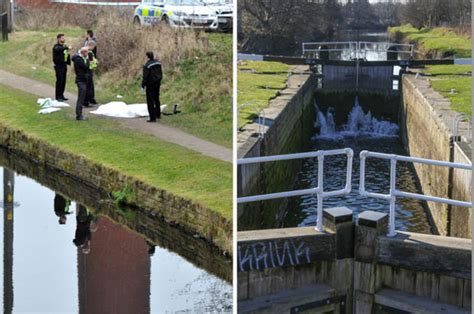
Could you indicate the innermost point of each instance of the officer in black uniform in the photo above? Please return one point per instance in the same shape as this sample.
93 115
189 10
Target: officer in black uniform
152 75
81 67
61 60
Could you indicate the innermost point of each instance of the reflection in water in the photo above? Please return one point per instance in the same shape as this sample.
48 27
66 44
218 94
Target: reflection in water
8 205
61 208
94 265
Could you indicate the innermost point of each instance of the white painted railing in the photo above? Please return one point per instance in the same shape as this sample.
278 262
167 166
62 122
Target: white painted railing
319 190
394 193
334 46
356 49
260 116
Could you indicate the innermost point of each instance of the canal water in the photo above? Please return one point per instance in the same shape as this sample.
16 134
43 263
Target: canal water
361 132
89 263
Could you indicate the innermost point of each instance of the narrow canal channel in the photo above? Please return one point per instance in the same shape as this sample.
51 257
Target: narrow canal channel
116 270
340 120
360 132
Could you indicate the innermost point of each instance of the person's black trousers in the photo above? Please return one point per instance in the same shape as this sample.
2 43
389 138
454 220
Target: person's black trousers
61 75
90 98
81 97
153 101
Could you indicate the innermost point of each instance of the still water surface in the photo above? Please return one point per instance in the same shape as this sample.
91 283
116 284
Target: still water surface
115 271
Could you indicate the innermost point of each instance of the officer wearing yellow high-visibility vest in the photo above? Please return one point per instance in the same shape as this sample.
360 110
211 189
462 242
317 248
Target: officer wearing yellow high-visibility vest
61 60
93 63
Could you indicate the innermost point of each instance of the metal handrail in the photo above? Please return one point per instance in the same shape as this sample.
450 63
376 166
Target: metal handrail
460 117
356 47
261 116
319 190
394 193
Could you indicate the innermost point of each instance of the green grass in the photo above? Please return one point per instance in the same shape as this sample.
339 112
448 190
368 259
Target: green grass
201 85
447 77
167 166
257 83
440 39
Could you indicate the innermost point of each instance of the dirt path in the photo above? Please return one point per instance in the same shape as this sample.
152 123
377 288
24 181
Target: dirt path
159 130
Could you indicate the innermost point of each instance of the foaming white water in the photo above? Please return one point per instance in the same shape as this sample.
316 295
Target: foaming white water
359 123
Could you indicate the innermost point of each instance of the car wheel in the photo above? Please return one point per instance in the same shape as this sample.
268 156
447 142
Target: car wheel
165 20
136 21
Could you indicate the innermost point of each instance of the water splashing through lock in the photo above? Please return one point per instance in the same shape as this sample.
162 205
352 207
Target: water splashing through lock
359 123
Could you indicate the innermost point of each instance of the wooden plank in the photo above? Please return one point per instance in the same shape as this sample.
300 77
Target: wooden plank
242 286
424 282
467 298
364 302
313 61
364 277
426 253
284 301
264 249
451 290
414 304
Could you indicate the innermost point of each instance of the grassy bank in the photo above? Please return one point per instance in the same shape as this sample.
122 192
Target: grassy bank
257 83
197 76
440 42
167 166
458 77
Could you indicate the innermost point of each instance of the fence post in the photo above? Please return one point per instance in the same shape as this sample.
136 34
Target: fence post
370 225
339 221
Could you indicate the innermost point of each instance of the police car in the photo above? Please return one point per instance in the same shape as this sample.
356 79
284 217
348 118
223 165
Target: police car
224 11
176 13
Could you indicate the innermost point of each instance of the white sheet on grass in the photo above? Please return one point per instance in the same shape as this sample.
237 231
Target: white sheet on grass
119 109
48 102
48 110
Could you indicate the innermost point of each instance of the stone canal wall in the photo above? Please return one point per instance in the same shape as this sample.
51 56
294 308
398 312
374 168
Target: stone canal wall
289 118
426 131
189 216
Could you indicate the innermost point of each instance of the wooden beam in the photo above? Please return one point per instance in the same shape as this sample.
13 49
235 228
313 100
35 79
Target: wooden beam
362 63
263 249
393 301
427 253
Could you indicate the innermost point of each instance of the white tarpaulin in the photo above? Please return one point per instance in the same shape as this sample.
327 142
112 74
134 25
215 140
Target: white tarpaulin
48 102
119 109
48 110
49 105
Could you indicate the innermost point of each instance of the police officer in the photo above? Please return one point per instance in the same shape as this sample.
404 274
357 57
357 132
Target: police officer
82 70
152 75
93 63
61 60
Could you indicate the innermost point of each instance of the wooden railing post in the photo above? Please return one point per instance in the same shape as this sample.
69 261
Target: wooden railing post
370 225
339 221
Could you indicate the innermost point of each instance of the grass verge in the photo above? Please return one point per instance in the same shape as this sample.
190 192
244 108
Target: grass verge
257 83
167 166
200 81
440 41
458 77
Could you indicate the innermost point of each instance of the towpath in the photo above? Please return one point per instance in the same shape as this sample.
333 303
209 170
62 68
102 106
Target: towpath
163 132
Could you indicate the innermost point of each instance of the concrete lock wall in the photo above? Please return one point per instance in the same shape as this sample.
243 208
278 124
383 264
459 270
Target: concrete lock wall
289 118
426 130
352 268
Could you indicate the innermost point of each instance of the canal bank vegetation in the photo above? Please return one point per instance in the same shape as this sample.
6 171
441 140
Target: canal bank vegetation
258 82
167 166
439 42
197 65
455 83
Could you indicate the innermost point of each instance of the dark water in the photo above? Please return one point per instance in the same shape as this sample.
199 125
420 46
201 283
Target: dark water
410 214
116 270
